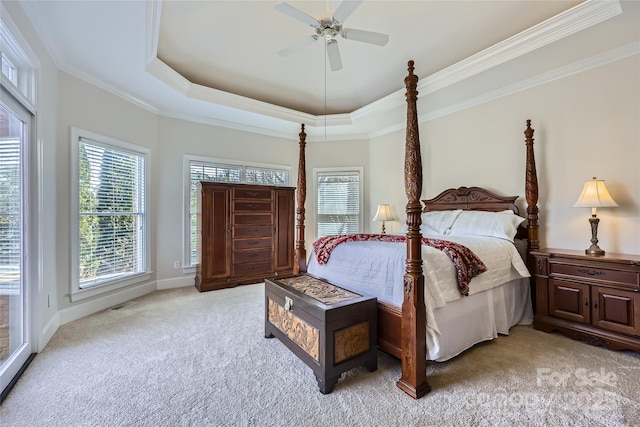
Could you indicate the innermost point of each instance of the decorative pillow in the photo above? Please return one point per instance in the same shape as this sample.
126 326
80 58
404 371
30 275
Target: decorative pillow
436 222
502 224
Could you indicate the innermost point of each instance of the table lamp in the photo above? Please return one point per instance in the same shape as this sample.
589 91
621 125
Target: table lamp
383 214
594 195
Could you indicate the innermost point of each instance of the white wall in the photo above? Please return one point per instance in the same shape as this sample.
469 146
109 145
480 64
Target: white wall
177 138
82 105
585 125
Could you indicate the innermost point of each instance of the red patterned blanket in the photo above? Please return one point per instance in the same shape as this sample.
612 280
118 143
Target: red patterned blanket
467 264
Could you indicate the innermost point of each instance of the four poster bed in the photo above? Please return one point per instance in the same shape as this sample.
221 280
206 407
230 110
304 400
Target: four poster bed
410 316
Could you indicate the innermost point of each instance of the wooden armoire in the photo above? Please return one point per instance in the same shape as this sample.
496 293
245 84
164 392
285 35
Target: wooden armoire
246 234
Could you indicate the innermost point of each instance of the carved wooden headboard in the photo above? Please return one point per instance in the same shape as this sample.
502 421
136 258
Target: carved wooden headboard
470 198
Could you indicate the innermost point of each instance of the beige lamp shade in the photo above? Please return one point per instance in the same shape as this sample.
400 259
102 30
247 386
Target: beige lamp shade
595 195
383 214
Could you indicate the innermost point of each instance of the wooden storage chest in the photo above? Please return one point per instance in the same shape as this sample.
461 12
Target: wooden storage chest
329 328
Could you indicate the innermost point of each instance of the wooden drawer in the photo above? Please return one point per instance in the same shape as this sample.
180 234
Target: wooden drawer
242 231
239 245
592 272
253 219
251 206
252 256
252 268
252 193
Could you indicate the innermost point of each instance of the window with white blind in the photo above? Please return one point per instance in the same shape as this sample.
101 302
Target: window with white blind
220 170
109 230
338 201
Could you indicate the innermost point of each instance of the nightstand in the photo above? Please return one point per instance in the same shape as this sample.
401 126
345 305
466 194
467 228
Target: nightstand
595 299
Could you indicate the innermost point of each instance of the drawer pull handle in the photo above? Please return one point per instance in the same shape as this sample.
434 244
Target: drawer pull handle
252 243
252 194
288 304
591 272
253 206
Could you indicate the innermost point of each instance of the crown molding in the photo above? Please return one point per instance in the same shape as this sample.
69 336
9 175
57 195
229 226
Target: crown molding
578 18
595 61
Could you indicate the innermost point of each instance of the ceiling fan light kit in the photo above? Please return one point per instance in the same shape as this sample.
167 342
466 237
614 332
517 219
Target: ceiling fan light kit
328 28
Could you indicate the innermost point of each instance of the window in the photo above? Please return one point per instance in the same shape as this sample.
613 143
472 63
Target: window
339 201
219 170
109 199
19 63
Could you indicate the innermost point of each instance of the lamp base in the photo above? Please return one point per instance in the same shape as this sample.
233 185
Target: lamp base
594 250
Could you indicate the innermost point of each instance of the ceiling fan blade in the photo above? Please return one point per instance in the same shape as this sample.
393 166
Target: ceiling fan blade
365 36
334 55
297 46
345 9
287 9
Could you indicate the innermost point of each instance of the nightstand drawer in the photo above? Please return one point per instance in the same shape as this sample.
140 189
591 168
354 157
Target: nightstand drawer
631 278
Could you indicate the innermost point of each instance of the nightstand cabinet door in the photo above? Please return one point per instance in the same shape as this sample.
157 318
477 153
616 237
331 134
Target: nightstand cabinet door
616 310
569 301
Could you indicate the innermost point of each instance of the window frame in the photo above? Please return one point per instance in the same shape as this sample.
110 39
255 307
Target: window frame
188 267
24 62
77 292
339 171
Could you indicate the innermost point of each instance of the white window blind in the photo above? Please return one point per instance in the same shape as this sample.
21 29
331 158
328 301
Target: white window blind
111 224
339 202
200 170
10 208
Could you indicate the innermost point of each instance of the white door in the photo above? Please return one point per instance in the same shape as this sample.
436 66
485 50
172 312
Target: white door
15 340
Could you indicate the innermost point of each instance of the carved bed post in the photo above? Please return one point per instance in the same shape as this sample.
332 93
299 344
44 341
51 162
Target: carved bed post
531 192
300 255
414 318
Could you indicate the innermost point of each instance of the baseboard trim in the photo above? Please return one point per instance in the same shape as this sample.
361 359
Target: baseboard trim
176 282
83 309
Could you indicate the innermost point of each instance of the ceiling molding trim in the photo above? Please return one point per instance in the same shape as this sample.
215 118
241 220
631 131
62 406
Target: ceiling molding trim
284 134
178 82
596 61
110 89
160 70
153 14
577 18
539 80
226 124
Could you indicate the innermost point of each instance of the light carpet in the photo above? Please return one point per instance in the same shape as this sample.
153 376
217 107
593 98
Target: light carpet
183 358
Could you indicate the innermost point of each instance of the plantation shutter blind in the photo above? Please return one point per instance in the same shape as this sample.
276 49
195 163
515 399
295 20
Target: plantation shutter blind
111 202
338 203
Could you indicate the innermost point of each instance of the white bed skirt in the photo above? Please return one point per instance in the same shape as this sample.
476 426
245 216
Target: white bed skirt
479 317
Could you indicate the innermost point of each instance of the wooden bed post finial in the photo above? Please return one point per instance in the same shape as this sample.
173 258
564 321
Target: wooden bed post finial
300 254
414 317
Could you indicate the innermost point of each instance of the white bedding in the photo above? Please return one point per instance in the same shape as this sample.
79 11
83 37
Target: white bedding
377 269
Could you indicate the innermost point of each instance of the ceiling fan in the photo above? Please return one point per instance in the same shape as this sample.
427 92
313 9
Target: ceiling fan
328 28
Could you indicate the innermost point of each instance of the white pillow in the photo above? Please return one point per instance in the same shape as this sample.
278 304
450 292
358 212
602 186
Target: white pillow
502 224
436 222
